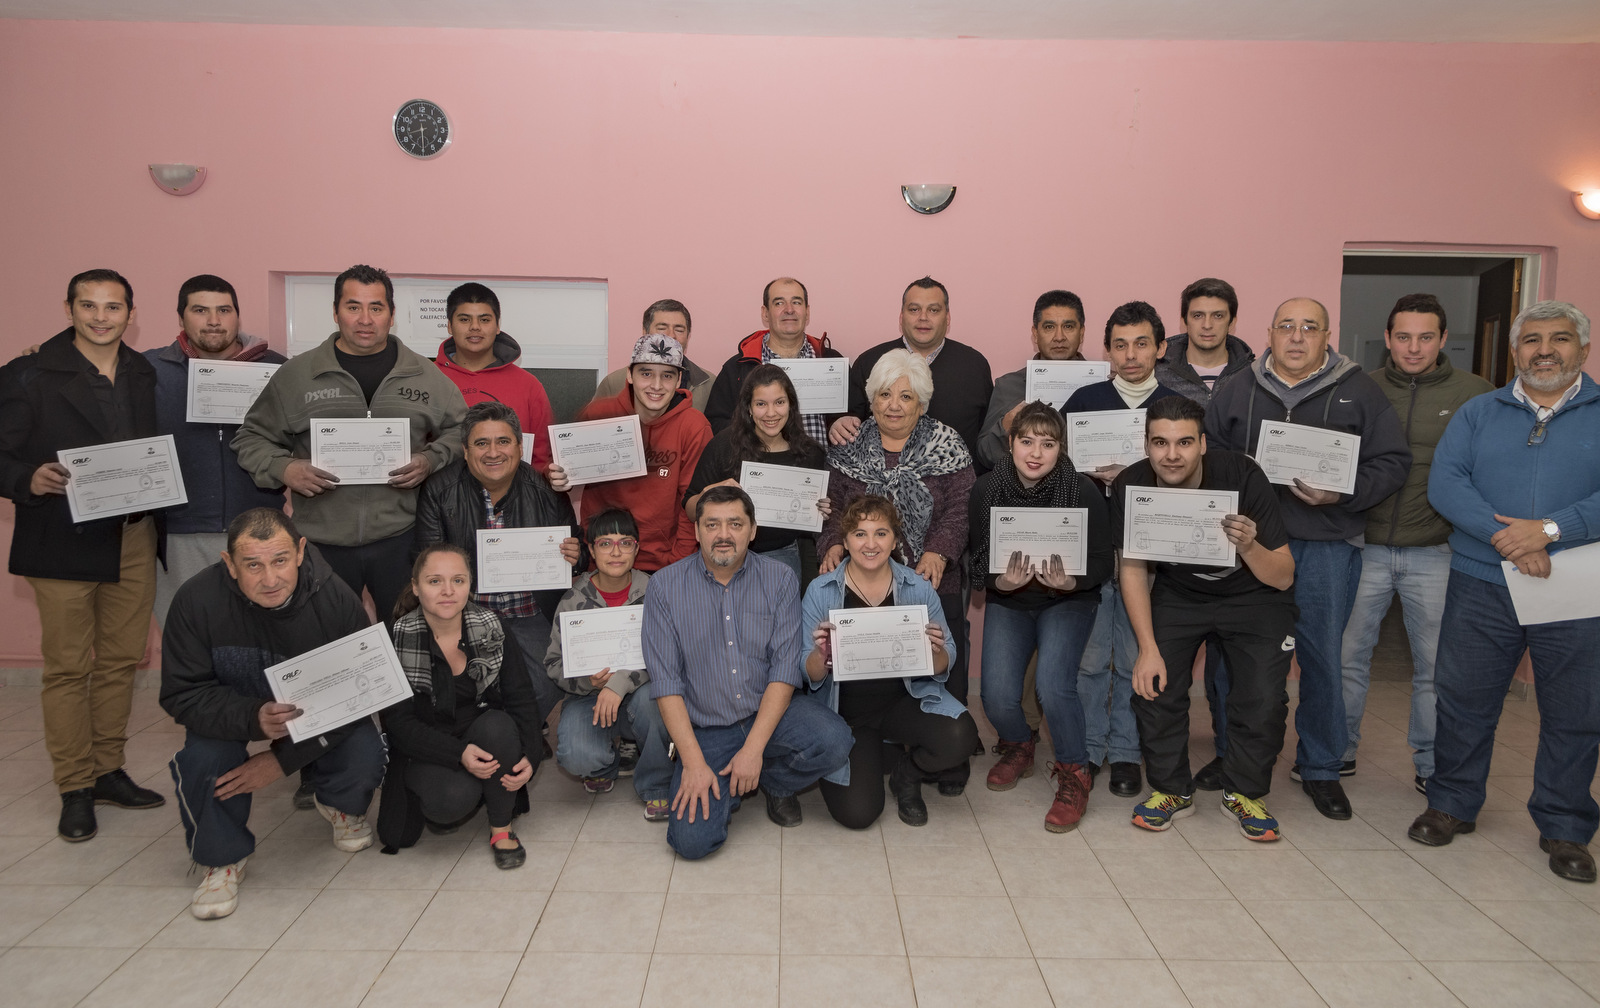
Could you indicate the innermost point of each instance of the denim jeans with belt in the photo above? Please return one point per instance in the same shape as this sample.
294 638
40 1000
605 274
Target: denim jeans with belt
1105 683
1059 631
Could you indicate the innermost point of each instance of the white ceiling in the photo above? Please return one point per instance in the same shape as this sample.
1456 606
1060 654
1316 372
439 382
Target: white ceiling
1316 20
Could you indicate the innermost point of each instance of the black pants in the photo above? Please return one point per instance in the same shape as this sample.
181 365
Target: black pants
935 743
1251 638
450 793
382 567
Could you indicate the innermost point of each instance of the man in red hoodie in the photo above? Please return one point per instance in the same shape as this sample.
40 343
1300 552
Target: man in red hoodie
482 361
675 433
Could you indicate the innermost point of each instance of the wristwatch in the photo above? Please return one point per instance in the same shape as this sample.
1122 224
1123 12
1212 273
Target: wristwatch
1552 530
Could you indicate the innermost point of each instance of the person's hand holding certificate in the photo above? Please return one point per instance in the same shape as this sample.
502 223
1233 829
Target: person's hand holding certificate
523 559
785 496
1105 438
360 449
1039 534
594 451
351 678
221 391
1320 458
1173 525
881 643
122 477
821 384
1055 381
597 640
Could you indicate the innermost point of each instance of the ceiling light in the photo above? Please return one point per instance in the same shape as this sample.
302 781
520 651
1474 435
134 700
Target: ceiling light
178 179
928 198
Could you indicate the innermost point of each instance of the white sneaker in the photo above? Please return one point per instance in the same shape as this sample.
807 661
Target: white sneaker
350 832
218 895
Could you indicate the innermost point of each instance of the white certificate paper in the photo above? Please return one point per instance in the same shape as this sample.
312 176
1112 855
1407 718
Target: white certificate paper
593 640
222 391
361 450
1572 591
122 477
882 643
1173 525
1325 459
785 496
821 383
523 559
1039 533
1105 438
335 684
594 451
1055 381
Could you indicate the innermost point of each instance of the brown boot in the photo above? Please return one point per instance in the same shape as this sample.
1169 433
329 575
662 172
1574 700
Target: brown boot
1016 762
1072 797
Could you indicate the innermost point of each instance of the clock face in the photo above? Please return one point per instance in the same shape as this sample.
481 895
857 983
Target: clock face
422 129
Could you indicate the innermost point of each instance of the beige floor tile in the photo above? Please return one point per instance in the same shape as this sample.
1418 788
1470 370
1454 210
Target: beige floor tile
943 871
1173 874
1086 982
476 921
56 977
120 822
864 924
751 825
742 981
424 866
15 848
1384 875
834 980
741 924
426 979
1033 871
1105 832
585 921
1377 985
34 814
476 869
953 982
959 925
1496 985
1487 875
621 822
342 979
62 863
1275 871
1584 974
553 821
835 868
112 917
736 868
1433 930
173 978
11 741
1324 931
820 829
1021 824
948 826
1212 829
617 867
356 919
165 861
296 863
568 979
1228 984
1567 931
1202 929
26 907
261 919
1080 928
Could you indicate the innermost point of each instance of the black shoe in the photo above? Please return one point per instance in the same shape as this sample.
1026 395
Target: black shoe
1421 784
77 816
905 783
1125 780
1094 771
1210 776
952 782
785 810
1436 828
305 796
507 858
1346 769
1329 798
117 788
1570 860
627 757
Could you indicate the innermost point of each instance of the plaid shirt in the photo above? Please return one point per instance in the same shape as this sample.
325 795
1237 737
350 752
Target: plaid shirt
509 605
814 424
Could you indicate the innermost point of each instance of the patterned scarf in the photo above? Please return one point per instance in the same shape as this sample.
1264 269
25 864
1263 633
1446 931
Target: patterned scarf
483 638
1060 488
932 450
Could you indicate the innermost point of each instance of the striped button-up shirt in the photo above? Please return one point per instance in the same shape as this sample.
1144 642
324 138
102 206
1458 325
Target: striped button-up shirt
718 646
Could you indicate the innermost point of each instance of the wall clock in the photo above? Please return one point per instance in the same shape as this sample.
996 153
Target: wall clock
422 129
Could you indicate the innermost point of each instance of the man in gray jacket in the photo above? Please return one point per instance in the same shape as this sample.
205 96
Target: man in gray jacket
1208 354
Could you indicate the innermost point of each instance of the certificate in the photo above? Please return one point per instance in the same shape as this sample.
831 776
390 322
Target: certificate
1039 533
123 477
361 450
523 559
822 384
1173 525
1054 381
882 643
593 640
1105 438
335 684
785 496
1572 591
221 391
1325 459
594 451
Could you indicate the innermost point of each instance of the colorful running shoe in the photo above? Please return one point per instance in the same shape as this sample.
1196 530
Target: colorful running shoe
1157 811
1255 822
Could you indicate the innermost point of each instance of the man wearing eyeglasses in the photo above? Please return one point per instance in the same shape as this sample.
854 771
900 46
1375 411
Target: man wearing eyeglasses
1515 474
1302 380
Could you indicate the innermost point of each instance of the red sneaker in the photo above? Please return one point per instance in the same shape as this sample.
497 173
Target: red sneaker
1072 797
1016 762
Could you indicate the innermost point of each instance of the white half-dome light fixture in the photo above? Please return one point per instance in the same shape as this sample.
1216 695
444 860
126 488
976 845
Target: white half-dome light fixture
1588 203
178 179
928 198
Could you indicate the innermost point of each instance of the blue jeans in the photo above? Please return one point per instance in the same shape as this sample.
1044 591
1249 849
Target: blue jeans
1480 645
1419 574
585 749
809 741
1325 579
1105 683
1060 632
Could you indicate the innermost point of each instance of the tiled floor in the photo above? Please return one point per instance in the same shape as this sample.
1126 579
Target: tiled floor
981 907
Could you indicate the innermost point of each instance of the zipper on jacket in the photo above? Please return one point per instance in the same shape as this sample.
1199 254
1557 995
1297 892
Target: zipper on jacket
1411 411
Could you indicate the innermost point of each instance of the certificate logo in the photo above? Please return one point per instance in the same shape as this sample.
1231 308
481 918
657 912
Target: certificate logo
563 435
576 622
1006 519
80 461
492 542
847 621
1144 500
1274 432
327 430
756 472
1080 423
207 370
290 675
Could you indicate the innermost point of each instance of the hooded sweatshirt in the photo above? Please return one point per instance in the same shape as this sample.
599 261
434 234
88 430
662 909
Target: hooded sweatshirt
505 382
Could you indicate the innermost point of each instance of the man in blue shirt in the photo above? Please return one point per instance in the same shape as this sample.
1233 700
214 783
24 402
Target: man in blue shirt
722 636
1516 478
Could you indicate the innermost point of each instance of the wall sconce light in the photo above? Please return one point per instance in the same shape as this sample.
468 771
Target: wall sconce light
928 198
178 179
1588 203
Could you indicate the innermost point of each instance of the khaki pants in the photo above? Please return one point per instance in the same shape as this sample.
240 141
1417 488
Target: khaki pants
93 634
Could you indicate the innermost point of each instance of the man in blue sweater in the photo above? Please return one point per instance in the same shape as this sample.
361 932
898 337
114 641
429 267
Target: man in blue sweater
1515 475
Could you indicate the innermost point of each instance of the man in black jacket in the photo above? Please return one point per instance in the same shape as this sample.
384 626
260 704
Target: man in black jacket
270 599
94 580
785 311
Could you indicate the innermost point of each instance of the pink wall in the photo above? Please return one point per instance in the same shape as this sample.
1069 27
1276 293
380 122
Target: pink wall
699 167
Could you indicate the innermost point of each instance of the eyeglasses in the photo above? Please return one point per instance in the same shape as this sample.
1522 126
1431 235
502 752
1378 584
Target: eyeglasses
616 545
1536 436
1289 328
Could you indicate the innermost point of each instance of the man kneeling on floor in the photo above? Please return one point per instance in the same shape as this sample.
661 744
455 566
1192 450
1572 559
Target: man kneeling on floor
270 598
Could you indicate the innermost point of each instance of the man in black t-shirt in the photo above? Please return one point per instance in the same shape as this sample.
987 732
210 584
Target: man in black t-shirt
1248 606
